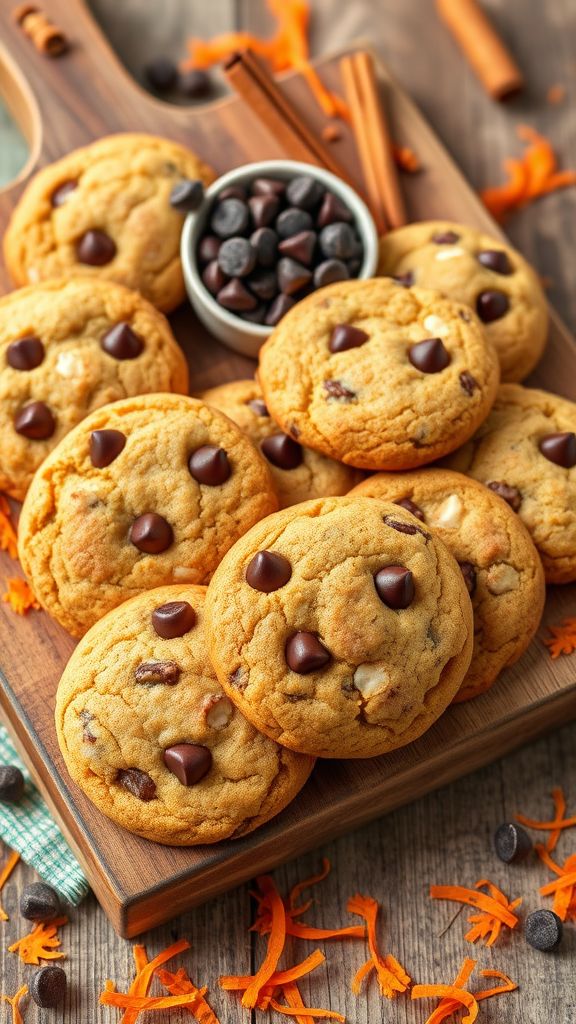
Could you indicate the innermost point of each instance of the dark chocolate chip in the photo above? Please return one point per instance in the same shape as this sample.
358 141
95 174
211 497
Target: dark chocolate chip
292 221
395 586
161 73
62 194
268 187
213 277
11 784
194 84
281 305
304 191
26 353
338 241
137 782
560 449
336 389
236 297
406 280
210 465
445 238
230 217
256 315
237 257
233 192
292 276
410 506
496 260
409 528
35 421
467 382
345 336
39 902
544 930
152 673
305 653
48 986
268 571
86 717
429 356
151 533
187 196
263 283
264 210
492 305
282 451
265 242
189 762
105 446
95 248
300 247
512 843
330 271
469 574
173 619
121 342
510 494
259 407
209 248
332 210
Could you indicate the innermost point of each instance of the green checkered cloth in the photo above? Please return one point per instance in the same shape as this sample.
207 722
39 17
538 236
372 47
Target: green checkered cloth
29 828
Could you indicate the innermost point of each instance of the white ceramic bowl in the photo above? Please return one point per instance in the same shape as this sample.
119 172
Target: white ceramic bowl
239 334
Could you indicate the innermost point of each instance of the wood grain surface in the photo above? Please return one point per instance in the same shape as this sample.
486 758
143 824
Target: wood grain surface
447 836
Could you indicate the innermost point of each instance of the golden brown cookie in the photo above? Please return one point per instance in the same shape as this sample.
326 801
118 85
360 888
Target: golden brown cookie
105 210
150 737
68 347
142 493
526 452
499 562
341 627
378 376
491 277
298 473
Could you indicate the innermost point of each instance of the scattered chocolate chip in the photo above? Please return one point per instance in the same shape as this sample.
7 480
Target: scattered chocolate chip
429 356
26 353
187 196
469 574
233 192
395 586
304 191
336 389
39 902
209 248
35 421
95 248
282 451
405 280
194 84
48 986
230 217
210 465
338 241
496 260
213 277
345 336
268 187
121 342
305 653
281 305
256 315
161 73
332 210
105 446
258 407
330 271
445 238
467 382
510 494
560 449
137 782
491 306
62 194
268 571
292 221
151 673
544 930
410 506
11 784
512 843
292 276
235 296
237 257
264 284
189 762
173 619
265 242
264 210
300 247
410 528
151 533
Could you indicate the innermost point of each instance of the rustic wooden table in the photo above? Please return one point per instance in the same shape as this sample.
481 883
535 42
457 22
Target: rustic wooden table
445 837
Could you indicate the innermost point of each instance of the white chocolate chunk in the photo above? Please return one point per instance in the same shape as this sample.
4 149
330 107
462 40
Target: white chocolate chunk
436 325
219 713
371 679
450 253
449 515
501 578
70 364
183 572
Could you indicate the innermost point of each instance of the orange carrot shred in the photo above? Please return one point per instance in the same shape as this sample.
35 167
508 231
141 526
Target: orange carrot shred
554 827
534 174
306 1012
487 993
42 943
145 970
392 977
292 995
451 992
5 875
20 596
482 901
8 537
14 1002
180 984
237 983
450 1002
297 929
307 883
276 941
563 638
125 1001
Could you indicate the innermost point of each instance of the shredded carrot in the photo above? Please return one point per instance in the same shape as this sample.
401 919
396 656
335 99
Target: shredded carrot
534 174
487 993
5 875
450 1002
495 908
406 159
145 970
297 890
180 984
240 982
485 925
8 538
456 995
556 94
554 827
563 639
20 596
292 995
125 1001
305 1012
298 929
14 1002
392 977
42 943
276 941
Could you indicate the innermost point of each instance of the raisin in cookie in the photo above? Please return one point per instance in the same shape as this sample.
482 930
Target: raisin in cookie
526 452
145 492
499 562
340 627
105 210
68 347
489 276
151 738
298 473
378 376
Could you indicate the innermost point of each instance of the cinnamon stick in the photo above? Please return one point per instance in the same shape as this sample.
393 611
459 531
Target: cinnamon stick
480 43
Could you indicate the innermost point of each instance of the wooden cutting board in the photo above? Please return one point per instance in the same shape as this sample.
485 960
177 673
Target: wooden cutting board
61 104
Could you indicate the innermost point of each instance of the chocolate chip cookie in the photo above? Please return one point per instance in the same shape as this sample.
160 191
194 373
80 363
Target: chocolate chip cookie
105 210
378 376
150 737
526 453
492 278
68 347
298 473
499 562
341 627
148 491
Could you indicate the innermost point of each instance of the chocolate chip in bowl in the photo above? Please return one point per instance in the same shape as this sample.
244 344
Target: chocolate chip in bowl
266 236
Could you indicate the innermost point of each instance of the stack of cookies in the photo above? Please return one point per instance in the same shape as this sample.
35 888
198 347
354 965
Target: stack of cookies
246 596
